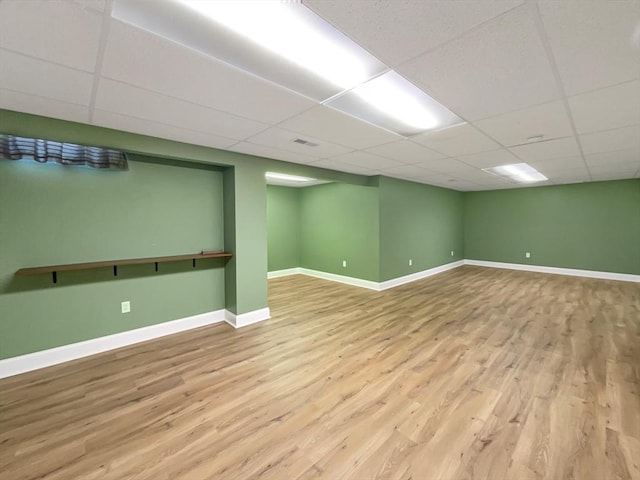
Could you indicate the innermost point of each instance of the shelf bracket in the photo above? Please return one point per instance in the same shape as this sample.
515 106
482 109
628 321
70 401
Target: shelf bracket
156 266
54 276
193 262
115 270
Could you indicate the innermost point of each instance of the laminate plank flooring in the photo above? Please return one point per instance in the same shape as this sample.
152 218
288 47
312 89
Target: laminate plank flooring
472 374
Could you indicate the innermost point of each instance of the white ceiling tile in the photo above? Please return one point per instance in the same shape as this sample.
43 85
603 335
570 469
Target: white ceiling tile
547 150
373 24
591 41
437 165
406 171
332 164
44 79
405 151
496 68
560 164
148 127
282 139
489 159
62 32
195 77
366 160
619 139
606 175
328 124
608 108
97 5
573 175
514 128
456 169
274 153
135 102
569 179
21 102
604 160
458 140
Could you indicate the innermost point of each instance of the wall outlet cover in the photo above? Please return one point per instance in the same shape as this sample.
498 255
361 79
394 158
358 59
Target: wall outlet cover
125 306
528 254
344 263
410 262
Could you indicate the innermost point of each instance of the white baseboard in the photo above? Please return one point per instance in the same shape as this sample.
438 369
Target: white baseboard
394 282
358 282
284 273
65 353
244 319
574 272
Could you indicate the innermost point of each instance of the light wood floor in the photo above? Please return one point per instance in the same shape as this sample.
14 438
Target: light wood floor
472 374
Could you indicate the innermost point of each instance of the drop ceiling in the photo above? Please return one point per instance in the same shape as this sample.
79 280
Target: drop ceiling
511 69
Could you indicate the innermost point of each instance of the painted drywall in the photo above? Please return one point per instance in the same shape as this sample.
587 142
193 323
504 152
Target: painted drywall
340 222
420 223
589 226
283 227
250 239
50 214
244 186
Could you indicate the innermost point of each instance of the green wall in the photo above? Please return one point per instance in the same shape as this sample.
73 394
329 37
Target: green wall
589 226
374 223
376 229
50 214
283 227
340 222
418 222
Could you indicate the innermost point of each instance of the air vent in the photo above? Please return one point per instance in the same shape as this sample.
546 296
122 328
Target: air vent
305 142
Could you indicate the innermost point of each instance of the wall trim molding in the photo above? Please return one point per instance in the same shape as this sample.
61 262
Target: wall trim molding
574 272
356 282
371 285
284 273
412 277
65 353
249 318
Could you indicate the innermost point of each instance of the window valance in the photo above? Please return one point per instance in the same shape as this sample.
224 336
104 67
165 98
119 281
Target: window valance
16 148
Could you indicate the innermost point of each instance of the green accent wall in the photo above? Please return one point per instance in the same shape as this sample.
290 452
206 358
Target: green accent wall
340 222
180 198
418 222
589 226
283 227
50 214
376 229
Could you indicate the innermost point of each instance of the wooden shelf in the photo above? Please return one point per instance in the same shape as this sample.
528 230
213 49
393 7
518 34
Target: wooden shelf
116 263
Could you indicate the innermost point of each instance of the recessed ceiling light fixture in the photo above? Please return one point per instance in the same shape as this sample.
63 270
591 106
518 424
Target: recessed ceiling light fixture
288 178
520 172
288 44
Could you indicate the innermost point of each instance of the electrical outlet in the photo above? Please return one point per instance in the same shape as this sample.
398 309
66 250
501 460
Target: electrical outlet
410 262
344 263
527 254
452 253
125 306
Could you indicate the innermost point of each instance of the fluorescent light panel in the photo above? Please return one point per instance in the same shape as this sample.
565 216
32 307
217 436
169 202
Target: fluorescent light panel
282 42
520 172
288 178
392 102
276 26
288 44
